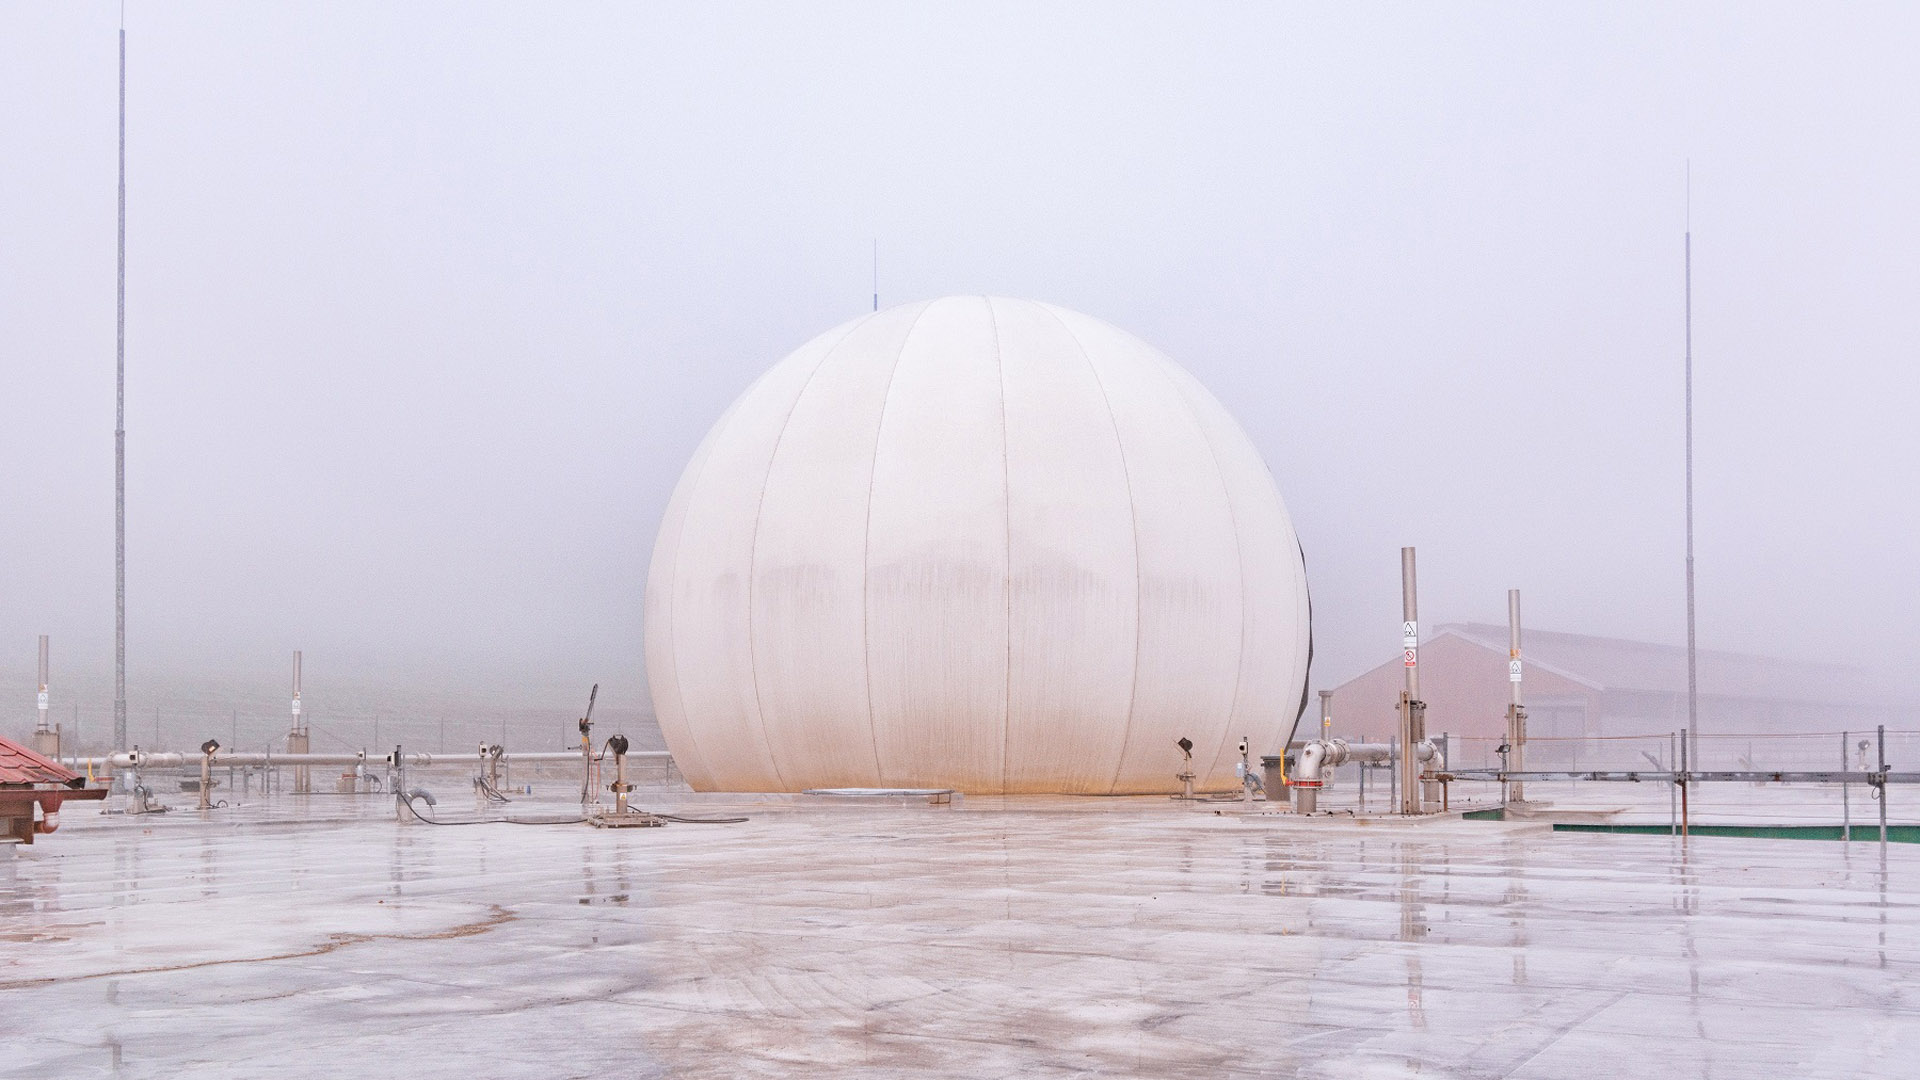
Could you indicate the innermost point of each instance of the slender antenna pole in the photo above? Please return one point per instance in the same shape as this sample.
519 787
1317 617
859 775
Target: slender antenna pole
1693 680
1410 720
120 436
876 274
1517 709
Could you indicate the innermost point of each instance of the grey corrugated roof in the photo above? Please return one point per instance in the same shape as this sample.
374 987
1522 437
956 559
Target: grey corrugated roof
1617 664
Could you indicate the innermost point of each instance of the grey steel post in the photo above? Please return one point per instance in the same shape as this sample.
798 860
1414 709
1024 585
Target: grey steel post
1883 790
1326 732
298 741
120 438
1516 710
43 684
1393 769
1360 781
620 785
46 741
1411 720
1682 781
588 795
206 774
1693 681
1673 790
1846 808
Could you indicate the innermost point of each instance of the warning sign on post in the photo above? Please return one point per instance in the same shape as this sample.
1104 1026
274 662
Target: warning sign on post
1413 658
1410 634
1513 671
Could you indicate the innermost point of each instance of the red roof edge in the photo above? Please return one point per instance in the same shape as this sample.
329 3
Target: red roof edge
20 765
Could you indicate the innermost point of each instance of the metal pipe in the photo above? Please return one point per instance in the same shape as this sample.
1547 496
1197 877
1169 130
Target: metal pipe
618 744
1516 710
1247 777
120 432
1410 720
1693 680
1683 783
1846 808
1669 776
46 740
1306 780
298 740
206 774
1360 782
1393 780
43 684
1321 755
398 785
588 794
152 759
1882 773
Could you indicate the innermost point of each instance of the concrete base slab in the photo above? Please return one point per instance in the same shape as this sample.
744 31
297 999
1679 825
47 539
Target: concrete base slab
1001 937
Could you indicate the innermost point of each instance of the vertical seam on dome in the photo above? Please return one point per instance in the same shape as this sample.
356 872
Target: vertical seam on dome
753 544
717 436
1133 518
1239 554
1006 513
866 544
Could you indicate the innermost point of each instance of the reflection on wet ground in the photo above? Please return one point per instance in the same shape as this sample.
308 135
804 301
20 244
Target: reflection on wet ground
1032 937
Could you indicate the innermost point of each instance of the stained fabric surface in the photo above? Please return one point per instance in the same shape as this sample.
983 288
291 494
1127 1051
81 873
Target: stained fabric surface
977 543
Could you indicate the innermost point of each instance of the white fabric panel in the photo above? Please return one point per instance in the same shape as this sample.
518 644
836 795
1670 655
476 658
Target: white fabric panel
1073 573
663 676
937 559
809 604
1273 668
1189 562
712 570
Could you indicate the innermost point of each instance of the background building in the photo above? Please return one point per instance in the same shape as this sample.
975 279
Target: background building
1583 688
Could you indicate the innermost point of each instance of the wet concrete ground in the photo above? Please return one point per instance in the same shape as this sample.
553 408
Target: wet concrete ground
1032 937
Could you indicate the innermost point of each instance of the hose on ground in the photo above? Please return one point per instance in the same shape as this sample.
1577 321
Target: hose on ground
407 800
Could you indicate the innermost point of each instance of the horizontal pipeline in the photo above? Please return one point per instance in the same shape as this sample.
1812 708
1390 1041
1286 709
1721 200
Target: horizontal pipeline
1692 777
151 759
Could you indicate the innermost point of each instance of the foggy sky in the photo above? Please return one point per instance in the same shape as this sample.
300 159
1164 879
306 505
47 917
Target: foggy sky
429 304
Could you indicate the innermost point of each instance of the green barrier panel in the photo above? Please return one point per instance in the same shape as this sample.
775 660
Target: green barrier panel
1898 834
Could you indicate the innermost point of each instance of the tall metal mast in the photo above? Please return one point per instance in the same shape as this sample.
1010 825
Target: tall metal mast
1412 712
120 437
1693 681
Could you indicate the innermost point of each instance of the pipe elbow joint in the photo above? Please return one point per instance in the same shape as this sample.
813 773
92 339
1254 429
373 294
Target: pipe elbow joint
1312 757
